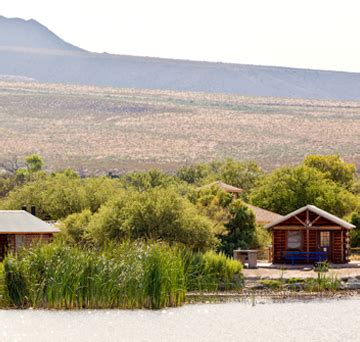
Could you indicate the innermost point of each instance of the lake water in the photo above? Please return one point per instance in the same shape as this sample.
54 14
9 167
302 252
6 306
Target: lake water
323 320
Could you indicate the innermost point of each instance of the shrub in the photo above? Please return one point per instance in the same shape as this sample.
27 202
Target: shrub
273 284
241 228
212 272
158 214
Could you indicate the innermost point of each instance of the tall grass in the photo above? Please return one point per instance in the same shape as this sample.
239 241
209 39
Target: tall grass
4 299
127 275
212 272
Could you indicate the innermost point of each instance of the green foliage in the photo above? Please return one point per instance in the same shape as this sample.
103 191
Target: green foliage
263 238
289 188
143 181
212 272
334 168
273 284
355 233
34 163
127 275
193 174
74 228
322 283
212 202
58 195
158 214
240 174
4 296
241 228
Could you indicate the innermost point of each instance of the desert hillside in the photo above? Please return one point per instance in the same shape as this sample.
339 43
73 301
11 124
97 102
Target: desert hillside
107 128
28 49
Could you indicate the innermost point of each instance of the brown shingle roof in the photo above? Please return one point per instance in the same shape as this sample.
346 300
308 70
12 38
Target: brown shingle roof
264 216
224 186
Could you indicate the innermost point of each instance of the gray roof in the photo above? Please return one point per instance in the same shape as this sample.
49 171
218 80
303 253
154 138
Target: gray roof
317 211
20 221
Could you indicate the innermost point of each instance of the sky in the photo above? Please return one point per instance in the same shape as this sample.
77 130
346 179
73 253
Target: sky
315 34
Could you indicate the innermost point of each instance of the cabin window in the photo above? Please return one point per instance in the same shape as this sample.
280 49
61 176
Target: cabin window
19 241
324 239
294 239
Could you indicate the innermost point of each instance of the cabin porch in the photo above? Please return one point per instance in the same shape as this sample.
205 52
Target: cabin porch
307 246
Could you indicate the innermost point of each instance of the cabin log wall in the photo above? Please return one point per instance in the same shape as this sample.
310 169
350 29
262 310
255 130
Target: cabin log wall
279 238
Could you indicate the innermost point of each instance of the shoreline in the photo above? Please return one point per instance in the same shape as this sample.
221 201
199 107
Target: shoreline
249 297
267 296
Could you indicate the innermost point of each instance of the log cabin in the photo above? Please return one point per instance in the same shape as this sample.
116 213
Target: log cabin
19 228
310 235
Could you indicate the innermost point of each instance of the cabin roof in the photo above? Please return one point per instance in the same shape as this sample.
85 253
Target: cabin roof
224 186
316 210
264 216
20 221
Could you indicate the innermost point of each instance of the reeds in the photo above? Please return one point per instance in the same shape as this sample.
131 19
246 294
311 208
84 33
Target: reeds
128 275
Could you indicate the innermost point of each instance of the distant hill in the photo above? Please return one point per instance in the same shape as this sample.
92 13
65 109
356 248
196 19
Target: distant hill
28 49
17 32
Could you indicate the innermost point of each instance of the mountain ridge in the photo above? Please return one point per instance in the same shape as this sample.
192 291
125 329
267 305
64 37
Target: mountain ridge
29 49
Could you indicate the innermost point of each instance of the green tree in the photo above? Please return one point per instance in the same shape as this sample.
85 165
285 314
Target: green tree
289 188
241 228
34 163
334 168
58 195
240 174
158 214
143 181
74 227
355 233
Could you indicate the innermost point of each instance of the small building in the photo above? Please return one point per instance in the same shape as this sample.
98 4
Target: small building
263 216
18 228
308 235
225 187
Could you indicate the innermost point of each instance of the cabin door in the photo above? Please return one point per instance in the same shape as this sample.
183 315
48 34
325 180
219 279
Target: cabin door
324 242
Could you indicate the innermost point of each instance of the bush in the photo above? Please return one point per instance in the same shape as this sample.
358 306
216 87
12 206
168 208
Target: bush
212 272
241 228
58 195
158 214
273 284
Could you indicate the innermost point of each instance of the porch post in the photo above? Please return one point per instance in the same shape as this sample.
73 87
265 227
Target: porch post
342 245
307 226
307 243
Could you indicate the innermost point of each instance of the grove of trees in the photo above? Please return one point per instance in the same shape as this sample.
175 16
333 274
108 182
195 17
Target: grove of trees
176 208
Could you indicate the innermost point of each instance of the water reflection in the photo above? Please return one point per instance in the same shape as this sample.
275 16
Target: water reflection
326 320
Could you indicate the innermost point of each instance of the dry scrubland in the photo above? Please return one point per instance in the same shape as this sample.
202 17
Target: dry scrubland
106 128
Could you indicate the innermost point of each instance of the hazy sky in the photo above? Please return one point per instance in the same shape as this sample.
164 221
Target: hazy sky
318 34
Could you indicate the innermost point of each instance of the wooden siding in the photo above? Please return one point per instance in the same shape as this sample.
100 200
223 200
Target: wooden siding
8 241
340 243
279 245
